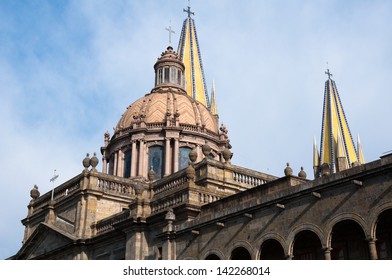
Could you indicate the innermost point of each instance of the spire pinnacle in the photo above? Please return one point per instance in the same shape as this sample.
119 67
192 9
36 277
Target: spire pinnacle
337 147
360 155
316 157
190 55
213 104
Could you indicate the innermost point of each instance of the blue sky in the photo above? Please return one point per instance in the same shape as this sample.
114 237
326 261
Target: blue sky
68 70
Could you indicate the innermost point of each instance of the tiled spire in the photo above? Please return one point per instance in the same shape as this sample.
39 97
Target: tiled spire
337 147
189 52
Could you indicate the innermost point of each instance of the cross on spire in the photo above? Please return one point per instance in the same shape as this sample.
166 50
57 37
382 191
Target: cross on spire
188 10
329 74
170 30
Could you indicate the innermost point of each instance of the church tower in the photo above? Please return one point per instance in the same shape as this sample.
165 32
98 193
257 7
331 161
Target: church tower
189 54
337 149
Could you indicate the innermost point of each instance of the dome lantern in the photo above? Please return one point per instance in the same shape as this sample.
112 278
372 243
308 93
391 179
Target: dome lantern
169 72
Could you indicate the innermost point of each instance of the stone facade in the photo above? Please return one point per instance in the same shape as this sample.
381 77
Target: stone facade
188 215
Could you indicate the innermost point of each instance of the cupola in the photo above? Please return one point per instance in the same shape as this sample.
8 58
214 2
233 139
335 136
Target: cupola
169 72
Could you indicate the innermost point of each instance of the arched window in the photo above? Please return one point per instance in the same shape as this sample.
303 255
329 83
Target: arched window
173 75
127 164
166 74
160 76
179 77
183 157
156 160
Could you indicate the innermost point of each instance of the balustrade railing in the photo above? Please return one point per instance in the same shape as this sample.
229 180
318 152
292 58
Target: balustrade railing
107 224
169 202
248 179
170 185
112 186
59 192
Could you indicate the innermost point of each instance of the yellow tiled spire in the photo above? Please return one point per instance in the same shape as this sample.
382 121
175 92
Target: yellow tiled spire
189 52
337 146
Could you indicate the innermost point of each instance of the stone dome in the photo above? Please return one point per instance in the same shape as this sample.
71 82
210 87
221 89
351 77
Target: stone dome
159 107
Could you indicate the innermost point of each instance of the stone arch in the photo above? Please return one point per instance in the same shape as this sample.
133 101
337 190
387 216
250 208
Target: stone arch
383 235
341 217
347 237
213 252
310 227
307 246
240 248
374 216
271 236
272 249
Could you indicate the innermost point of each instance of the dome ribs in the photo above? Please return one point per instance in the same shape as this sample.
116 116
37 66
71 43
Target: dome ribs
203 122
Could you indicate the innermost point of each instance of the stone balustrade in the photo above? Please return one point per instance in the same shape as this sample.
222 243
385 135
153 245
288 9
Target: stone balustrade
114 185
169 202
248 179
59 192
165 186
107 224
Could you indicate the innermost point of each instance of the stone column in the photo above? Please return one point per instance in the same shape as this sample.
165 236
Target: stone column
167 157
120 171
327 253
141 158
145 164
104 164
175 155
372 249
134 159
115 163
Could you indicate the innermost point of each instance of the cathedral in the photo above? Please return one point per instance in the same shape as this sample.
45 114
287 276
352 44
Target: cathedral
167 189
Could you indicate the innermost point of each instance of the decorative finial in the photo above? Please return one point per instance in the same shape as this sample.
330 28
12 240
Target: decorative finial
34 193
170 216
188 10
86 161
94 161
190 172
170 30
288 171
302 173
193 155
206 149
227 154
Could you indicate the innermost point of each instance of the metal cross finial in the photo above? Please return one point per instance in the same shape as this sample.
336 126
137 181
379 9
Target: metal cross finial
55 176
189 11
328 73
170 32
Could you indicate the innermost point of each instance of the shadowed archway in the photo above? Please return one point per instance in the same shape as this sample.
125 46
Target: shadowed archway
271 249
384 235
212 257
349 242
307 246
240 253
